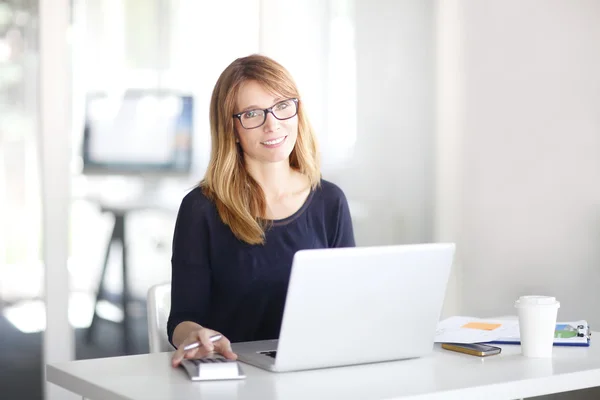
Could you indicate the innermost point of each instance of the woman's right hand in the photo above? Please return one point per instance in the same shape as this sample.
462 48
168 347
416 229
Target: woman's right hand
202 335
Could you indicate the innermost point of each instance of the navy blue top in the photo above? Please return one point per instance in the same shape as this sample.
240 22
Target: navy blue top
238 289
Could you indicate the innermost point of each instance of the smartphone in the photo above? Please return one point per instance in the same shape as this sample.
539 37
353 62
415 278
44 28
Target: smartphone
474 349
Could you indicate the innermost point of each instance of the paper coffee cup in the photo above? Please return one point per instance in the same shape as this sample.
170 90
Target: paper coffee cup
537 323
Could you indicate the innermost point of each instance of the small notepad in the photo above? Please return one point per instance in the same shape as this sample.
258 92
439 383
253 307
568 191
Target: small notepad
484 326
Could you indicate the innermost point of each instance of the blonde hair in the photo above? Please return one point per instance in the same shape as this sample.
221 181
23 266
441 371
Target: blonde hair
239 199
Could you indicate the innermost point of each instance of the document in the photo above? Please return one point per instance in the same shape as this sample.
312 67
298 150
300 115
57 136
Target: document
460 329
573 333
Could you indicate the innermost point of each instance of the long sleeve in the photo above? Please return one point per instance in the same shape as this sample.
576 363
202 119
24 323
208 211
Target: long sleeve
190 269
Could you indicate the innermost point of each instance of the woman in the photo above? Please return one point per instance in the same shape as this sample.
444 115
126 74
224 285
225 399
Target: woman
261 200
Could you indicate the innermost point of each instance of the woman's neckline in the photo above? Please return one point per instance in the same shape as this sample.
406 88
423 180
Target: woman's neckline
296 214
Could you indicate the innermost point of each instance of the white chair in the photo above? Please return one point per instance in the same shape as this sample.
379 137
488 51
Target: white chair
158 305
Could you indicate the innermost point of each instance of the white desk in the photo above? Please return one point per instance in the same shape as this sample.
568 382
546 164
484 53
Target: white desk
442 375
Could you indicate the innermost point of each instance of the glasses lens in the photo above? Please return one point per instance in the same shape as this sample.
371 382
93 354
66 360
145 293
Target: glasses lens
285 109
252 119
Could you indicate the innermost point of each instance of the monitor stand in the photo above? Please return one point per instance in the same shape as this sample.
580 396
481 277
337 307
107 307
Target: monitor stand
117 237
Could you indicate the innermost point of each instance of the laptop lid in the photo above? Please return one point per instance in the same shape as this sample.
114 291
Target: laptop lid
365 304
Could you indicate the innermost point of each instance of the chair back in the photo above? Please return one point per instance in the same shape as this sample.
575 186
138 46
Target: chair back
158 306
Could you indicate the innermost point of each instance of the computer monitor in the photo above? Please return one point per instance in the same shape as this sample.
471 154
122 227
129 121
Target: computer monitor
138 132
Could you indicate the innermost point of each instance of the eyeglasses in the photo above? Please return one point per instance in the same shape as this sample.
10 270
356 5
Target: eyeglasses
283 110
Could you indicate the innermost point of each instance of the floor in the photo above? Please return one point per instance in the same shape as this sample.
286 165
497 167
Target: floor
21 354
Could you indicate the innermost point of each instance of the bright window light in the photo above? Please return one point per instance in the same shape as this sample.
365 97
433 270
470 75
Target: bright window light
5 51
30 316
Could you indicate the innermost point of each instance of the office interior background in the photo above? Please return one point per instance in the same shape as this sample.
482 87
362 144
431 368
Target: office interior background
469 121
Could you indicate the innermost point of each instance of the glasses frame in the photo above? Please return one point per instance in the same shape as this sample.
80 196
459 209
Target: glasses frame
266 111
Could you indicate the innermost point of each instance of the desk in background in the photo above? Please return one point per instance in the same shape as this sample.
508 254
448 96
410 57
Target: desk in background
121 210
441 375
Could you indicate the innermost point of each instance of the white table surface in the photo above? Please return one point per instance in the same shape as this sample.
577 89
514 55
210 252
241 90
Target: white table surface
441 375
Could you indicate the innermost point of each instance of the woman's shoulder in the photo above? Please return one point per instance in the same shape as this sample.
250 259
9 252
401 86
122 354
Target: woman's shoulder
196 202
329 191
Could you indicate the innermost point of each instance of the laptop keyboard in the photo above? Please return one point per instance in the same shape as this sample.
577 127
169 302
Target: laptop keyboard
271 353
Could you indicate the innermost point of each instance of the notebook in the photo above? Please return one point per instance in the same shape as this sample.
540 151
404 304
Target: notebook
575 333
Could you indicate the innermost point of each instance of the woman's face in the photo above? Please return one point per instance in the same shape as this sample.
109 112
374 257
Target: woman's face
273 141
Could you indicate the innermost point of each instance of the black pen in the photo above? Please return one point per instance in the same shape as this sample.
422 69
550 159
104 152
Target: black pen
213 339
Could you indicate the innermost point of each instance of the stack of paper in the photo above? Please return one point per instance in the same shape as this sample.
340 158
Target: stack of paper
505 331
473 330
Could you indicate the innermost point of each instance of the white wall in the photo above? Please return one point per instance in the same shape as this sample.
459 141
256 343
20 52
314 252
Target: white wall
448 140
54 142
530 154
391 171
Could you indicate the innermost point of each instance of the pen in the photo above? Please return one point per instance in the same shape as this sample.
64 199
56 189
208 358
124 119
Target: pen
213 339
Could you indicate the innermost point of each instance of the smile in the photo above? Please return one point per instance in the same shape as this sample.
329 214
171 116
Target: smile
274 142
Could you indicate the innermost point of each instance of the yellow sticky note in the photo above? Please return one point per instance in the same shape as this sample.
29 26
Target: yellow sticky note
484 326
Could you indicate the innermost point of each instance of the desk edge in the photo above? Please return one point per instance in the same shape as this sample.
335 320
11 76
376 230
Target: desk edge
79 385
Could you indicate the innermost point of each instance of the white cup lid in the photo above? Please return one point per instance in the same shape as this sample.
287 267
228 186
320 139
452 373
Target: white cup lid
525 301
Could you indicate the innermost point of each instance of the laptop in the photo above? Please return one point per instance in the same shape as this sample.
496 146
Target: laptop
348 306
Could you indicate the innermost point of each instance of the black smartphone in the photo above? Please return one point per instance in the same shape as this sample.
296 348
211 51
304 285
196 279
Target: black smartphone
474 349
